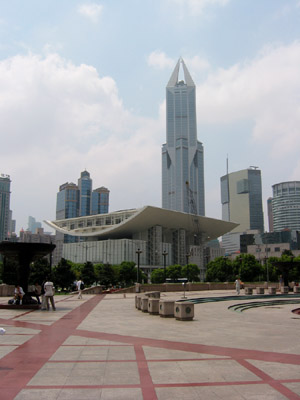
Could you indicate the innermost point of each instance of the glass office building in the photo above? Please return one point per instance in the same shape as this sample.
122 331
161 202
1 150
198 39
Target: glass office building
4 206
182 154
85 189
286 206
100 201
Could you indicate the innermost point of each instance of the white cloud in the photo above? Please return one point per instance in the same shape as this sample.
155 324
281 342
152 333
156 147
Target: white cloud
91 11
58 119
265 91
159 60
196 7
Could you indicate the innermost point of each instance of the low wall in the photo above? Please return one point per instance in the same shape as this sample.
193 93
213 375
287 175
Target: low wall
178 287
7 290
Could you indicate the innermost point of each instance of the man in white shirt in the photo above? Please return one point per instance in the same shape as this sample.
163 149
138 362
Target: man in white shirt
79 288
19 293
49 294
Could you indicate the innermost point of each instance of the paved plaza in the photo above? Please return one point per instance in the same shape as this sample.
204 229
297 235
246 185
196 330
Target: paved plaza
102 347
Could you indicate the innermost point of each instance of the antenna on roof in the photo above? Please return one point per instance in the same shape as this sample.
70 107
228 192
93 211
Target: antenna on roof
253 167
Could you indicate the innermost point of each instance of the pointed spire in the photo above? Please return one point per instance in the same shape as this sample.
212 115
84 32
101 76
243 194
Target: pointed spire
174 77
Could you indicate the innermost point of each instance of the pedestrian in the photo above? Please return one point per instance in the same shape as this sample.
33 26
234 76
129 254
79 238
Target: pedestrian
37 292
49 294
19 293
237 285
80 287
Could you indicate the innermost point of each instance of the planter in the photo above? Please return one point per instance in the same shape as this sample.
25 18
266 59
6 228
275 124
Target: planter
272 290
284 289
260 290
153 306
166 308
184 311
248 291
296 289
144 303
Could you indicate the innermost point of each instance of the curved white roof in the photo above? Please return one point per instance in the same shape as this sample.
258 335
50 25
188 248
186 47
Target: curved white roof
122 224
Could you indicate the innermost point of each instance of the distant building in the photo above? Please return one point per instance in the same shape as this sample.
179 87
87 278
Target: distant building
270 214
85 184
4 206
33 225
79 201
270 244
100 201
182 154
241 197
286 206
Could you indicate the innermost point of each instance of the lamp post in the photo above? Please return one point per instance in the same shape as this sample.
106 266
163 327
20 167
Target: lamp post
188 255
267 266
164 256
138 252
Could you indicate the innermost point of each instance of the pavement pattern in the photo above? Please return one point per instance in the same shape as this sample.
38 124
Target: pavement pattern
102 347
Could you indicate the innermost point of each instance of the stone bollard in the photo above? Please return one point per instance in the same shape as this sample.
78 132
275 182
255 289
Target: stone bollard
272 290
166 308
144 303
153 306
260 290
284 289
139 302
248 291
296 289
184 310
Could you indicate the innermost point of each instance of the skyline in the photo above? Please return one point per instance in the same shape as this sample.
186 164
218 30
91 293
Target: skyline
83 87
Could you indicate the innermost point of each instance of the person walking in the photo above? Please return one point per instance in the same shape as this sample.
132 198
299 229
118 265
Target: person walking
237 285
80 287
49 294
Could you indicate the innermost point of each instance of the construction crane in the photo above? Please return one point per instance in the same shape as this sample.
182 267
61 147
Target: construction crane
194 214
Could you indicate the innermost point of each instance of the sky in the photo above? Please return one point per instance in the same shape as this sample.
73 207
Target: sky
82 86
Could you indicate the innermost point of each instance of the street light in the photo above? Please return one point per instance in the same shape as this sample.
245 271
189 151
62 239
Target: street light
138 252
164 256
188 255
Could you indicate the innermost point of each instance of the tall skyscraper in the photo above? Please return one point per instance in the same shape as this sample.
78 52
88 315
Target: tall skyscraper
33 225
286 206
4 206
182 154
85 189
241 197
100 201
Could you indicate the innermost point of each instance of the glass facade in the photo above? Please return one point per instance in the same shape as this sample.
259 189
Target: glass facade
286 206
85 190
182 155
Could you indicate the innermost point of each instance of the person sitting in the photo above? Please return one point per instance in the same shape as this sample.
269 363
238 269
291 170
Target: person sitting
19 293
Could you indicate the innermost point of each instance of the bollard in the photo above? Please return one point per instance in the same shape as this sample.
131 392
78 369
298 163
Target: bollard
260 290
184 310
153 306
144 303
166 308
284 289
272 290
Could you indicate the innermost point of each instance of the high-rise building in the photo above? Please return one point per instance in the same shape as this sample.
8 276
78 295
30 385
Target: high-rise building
4 206
33 225
85 193
270 214
182 154
241 197
67 201
100 201
286 206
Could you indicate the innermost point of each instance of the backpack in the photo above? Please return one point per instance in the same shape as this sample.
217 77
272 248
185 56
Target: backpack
81 286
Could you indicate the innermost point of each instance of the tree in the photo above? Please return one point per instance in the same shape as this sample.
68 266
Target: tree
10 271
38 271
158 276
106 274
63 275
128 273
220 270
191 272
247 268
88 274
174 272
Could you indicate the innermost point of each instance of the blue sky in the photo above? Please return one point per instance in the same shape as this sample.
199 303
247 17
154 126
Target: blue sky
82 86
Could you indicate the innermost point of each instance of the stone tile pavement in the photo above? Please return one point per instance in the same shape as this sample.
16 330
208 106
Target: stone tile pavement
103 348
